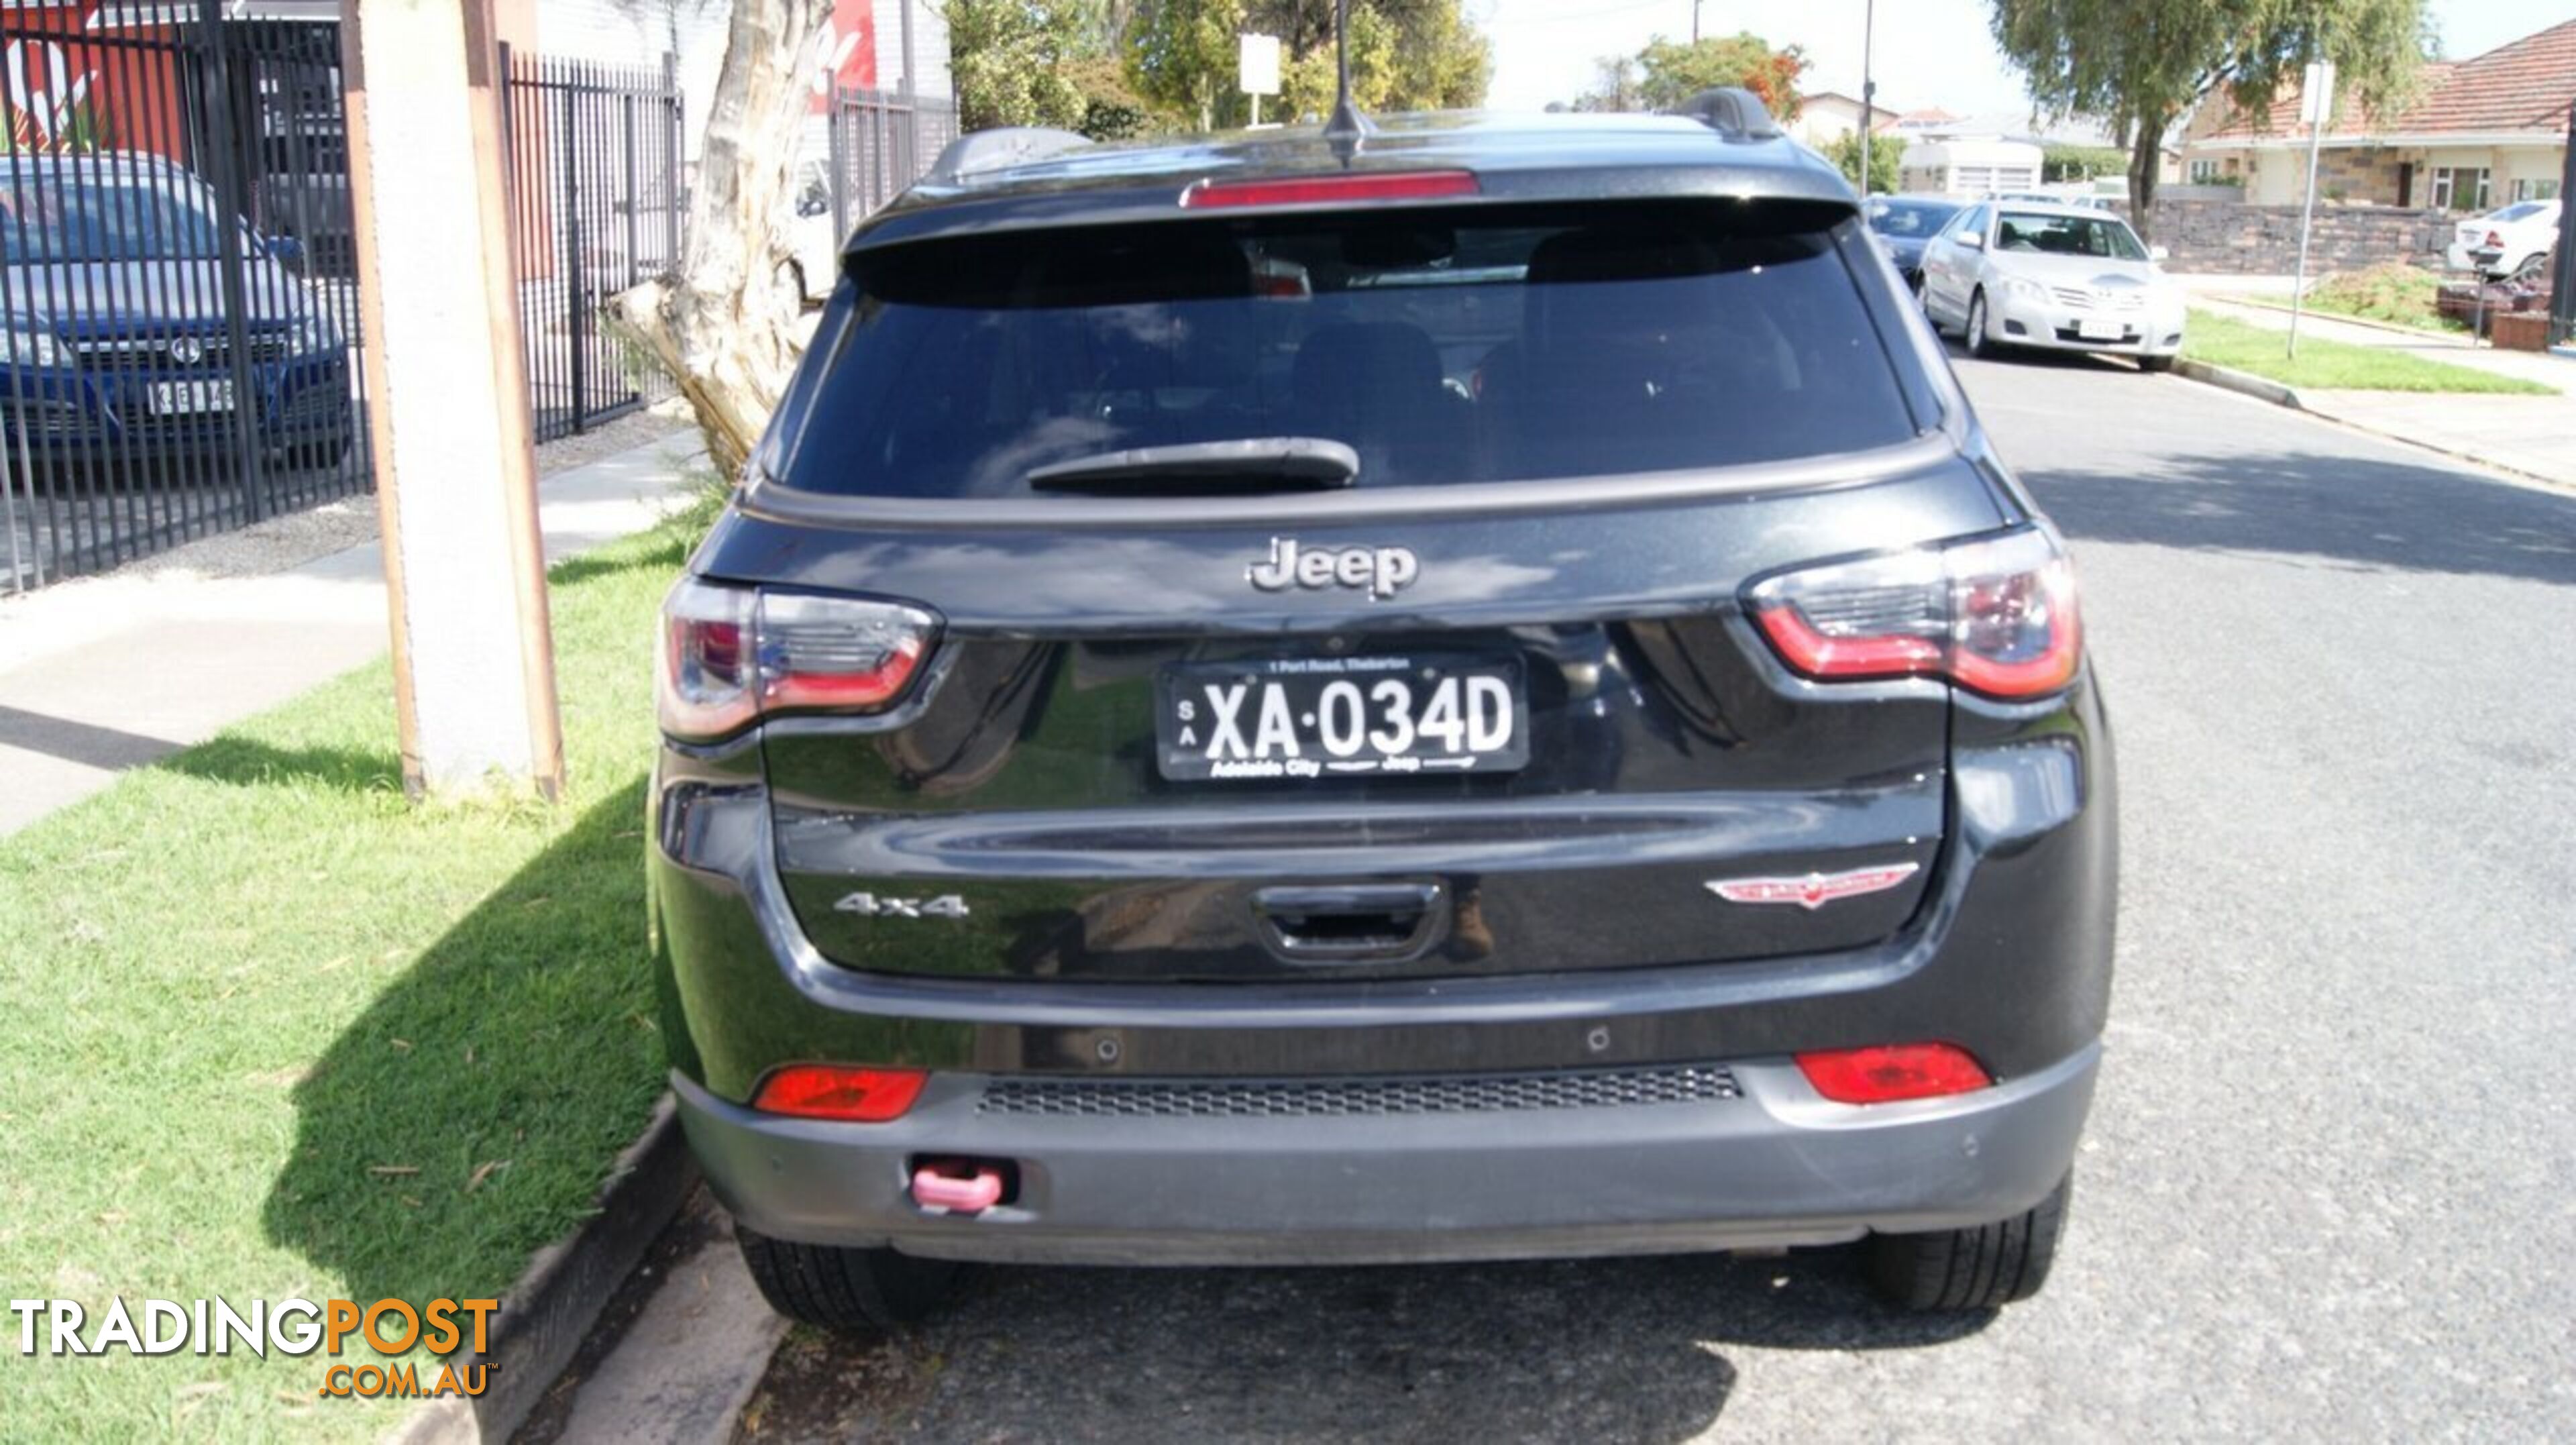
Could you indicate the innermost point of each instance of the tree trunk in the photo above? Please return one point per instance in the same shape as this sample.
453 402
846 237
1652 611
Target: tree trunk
2146 163
728 325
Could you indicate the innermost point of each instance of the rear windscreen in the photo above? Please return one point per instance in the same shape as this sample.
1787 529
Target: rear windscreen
1441 347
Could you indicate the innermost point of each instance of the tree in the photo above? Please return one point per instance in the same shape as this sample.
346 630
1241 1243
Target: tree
1675 71
1616 86
663 15
1405 55
726 325
1182 54
2144 64
1008 60
1884 153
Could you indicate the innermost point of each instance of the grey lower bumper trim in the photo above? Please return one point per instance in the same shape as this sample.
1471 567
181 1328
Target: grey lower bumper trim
1778 1166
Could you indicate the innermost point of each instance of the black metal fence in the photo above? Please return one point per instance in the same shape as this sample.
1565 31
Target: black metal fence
179 329
596 197
881 141
177 353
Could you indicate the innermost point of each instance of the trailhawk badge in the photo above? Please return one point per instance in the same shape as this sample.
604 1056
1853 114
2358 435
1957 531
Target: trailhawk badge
1384 571
1814 890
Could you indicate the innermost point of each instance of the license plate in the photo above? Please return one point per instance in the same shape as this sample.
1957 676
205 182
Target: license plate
1329 717
199 394
2093 330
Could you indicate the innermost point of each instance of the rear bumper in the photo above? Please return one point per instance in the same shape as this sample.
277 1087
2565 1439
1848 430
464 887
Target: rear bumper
1774 1166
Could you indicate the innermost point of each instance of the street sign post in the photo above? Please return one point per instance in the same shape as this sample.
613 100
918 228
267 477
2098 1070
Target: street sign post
1259 70
2316 107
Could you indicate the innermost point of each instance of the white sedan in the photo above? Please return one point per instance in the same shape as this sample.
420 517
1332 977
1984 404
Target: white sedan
2514 241
2070 278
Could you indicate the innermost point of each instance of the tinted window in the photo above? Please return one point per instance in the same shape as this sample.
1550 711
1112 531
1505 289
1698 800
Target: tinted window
2519 211
2027 231
1442 347
1909 218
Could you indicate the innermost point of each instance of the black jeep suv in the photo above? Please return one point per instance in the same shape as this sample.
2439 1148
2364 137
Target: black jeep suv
1475 694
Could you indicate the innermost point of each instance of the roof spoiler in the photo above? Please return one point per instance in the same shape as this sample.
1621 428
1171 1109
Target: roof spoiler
1000 149
1730 110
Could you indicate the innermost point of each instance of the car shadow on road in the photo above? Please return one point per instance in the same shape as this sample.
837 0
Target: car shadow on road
1623 1349
2359 511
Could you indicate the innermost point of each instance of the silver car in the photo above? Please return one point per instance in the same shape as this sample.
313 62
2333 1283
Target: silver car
2008 273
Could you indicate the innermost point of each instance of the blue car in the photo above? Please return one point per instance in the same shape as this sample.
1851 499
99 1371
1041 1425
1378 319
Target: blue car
1902 225
115 348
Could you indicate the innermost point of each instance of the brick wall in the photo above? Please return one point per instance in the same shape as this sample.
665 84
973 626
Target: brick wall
2230 237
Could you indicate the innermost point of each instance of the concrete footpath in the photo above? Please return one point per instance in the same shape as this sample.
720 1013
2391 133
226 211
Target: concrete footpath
114 672
2530 435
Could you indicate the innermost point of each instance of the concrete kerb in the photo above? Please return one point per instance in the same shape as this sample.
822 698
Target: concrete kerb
551 1307
2260 388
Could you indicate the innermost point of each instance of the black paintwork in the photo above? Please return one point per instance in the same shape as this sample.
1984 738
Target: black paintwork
1117 922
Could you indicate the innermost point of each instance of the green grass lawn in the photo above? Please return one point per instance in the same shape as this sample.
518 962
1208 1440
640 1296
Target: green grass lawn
275 1032
2244 346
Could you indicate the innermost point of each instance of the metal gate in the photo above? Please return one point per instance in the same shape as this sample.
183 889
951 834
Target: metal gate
596 202
178 333
880 142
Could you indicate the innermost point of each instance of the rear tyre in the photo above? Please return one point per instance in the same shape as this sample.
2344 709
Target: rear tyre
1970 1269
839 1289
1975 330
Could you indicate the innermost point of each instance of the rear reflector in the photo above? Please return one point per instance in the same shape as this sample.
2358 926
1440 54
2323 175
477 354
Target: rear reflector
1329 190
1885 1073
830 1091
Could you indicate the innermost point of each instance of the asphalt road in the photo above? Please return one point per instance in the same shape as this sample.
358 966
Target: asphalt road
2330 1185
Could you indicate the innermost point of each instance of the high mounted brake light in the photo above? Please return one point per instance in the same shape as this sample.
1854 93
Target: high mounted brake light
1329 190
731 655
1996 616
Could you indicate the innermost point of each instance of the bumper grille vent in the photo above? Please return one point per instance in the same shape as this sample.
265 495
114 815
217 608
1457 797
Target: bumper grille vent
1334 1098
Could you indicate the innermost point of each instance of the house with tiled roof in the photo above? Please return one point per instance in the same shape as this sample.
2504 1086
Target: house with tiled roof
2479 133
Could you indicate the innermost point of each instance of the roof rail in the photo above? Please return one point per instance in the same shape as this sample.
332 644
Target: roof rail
1730 110
1001 148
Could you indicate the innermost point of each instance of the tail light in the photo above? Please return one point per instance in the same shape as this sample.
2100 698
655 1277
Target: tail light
1996 616
2495 240
830 1091
1886 1073
731 655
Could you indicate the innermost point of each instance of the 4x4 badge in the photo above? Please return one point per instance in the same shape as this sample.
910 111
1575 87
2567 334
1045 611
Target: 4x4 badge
1814 890
1382 570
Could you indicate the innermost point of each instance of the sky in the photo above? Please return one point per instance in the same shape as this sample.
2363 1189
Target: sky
1928 52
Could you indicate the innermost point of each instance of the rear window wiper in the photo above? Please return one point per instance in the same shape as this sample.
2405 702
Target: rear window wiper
1245 464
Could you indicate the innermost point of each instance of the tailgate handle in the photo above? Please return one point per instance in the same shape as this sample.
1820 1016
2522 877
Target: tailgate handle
1350 921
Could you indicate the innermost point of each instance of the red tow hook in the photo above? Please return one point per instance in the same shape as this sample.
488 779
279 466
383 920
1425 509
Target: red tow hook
957 1188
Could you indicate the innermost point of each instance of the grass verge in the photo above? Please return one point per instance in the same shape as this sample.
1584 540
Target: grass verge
278 1033
2243 346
